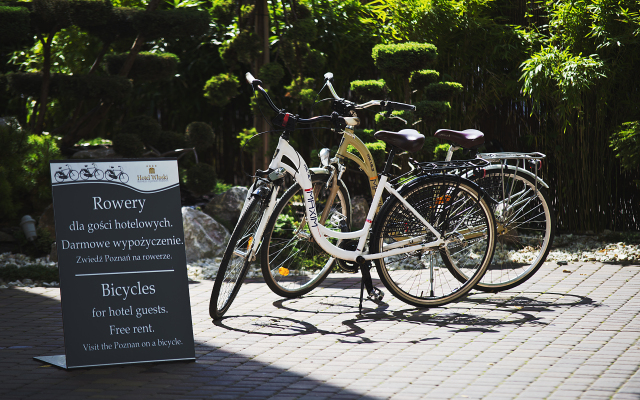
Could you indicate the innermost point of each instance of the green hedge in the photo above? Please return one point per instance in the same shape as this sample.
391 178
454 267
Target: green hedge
14 25
34 272
171 24
114 88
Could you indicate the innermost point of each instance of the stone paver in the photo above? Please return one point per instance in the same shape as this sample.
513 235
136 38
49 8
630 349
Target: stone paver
562 335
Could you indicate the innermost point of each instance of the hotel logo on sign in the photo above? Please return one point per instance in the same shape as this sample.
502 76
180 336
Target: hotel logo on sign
152 176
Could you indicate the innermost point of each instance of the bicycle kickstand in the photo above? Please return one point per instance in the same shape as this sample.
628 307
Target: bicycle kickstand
373 292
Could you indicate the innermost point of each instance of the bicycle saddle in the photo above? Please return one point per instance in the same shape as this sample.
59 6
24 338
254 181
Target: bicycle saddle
407 139
467 139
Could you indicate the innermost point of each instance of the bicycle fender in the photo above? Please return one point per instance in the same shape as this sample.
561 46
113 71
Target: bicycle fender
426 178
519 171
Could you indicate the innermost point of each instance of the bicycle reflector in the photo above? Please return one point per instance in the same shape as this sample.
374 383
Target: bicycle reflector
249 243
283 271
441 200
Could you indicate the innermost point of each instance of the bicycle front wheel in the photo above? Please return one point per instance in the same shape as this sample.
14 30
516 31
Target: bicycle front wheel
236 259
525 225
460 215
292 263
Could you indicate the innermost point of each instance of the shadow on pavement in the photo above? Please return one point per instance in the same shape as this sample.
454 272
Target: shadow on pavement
32 326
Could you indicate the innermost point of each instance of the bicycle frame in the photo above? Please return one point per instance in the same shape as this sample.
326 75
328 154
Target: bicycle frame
300 172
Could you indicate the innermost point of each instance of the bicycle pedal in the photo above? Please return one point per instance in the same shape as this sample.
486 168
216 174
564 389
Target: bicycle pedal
376 294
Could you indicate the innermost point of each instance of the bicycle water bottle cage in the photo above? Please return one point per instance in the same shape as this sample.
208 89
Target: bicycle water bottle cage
285 120
467 139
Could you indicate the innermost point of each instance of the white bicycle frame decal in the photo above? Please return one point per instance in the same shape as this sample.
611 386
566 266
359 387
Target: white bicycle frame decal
320 233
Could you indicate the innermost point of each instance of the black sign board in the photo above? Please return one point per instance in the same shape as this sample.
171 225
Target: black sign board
122 262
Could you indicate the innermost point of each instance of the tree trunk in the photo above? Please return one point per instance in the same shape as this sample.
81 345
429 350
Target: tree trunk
46 80
262 29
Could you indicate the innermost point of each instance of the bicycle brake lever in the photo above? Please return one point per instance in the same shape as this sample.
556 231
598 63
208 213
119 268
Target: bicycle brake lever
396 117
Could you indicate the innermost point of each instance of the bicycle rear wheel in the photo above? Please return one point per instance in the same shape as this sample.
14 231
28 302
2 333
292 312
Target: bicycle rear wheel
292 263
236 259
455 209
525 225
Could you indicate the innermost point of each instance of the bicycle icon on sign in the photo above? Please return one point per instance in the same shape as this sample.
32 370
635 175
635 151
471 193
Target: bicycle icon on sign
91 172
113 174
64 174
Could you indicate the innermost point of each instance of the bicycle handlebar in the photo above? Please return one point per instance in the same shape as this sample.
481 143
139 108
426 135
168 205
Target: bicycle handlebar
289 121
389 106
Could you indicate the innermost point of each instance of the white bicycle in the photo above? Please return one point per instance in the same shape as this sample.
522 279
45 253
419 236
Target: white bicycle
429 226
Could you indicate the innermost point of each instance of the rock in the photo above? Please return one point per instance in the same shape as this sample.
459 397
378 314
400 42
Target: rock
101 152
204 237
226 207
360 207
47 222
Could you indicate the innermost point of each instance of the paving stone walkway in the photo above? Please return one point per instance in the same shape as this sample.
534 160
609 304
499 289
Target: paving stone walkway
571 332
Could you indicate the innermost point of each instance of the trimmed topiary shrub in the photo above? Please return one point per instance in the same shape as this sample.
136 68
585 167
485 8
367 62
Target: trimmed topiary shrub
432 111
116 23
49 14
146 128
370 89
442 91
201 179
146 67
128 145
170 140
403 58
220 89
200 136
422 78
111 88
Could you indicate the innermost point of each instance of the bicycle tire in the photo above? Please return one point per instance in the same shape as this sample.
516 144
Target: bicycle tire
85 174
292 263
59 176
98 174
455 208
124 178
524 236
235 261
73 175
